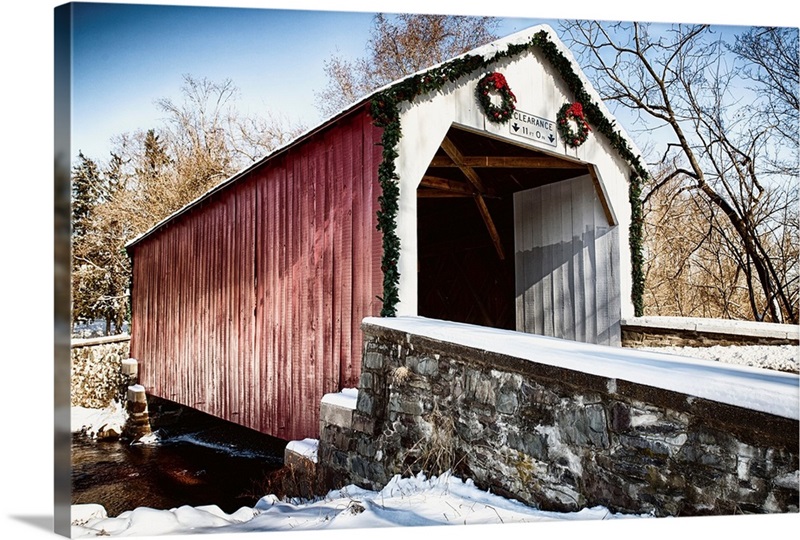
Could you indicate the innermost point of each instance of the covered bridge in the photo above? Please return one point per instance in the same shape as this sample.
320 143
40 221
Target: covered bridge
450 194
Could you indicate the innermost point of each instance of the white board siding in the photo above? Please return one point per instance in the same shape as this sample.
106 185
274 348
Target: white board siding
568 282
540 91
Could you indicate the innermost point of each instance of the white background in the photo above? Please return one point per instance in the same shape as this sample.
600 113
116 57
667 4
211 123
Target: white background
27 263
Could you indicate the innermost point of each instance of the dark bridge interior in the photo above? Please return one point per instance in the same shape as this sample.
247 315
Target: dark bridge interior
465 225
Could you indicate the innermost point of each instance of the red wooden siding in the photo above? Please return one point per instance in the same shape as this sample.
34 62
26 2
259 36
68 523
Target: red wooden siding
249 306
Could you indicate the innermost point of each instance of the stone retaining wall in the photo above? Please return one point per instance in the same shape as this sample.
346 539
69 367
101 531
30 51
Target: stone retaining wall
554 438
96 377
698 332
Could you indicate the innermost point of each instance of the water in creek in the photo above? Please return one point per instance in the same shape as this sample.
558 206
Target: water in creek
199 460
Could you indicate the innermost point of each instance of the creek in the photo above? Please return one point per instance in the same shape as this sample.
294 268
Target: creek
198 460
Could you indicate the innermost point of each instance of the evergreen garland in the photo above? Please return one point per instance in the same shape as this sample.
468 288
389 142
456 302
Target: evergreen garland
385 107
635 238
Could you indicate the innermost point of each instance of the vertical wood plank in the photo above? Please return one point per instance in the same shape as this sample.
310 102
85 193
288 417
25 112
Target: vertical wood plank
547 228
615 300
519 265
346 253
249 306
590 275
566 311
535 305
602 283
579 248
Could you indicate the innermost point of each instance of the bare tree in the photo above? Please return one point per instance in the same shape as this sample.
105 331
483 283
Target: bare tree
774 68
253 137
208 138
398 46
151 174
204 140
692 261
197 130
683 82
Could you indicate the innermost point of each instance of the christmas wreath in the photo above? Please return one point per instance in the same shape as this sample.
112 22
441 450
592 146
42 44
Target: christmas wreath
572 112
488 85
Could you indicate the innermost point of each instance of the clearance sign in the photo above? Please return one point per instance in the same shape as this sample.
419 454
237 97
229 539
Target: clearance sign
533 127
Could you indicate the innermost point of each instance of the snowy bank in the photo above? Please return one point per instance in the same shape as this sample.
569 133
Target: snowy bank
404 502
775 357
94 422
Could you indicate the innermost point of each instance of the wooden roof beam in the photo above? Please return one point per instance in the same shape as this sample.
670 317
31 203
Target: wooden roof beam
487 219
601 195
438 194
506 162
455 154
447 184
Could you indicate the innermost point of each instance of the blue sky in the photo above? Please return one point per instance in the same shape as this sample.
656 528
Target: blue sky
127 56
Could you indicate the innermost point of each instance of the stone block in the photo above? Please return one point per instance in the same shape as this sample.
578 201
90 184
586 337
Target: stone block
620 417
342 441
359 466
336 415
373 360
405 405
532 444
469 428
507 402
366 382
584 426
340 459
365 404
427 366
363 423
299 462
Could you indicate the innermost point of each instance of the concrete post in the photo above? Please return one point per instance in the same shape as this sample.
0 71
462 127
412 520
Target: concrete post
138 423
129 375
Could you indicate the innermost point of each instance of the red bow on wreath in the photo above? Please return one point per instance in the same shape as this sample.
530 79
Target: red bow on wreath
573 112
496 82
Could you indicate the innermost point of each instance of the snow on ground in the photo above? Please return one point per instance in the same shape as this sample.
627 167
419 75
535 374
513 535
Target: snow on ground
418 501
92 421
405 502
777 357
96 328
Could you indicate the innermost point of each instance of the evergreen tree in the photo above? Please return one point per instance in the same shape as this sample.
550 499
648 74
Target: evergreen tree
85 194
100 265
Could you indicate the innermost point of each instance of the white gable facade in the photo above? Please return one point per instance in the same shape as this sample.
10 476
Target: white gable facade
571 240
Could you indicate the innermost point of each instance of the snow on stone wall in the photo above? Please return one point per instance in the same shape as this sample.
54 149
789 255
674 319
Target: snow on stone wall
528 424
702 332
